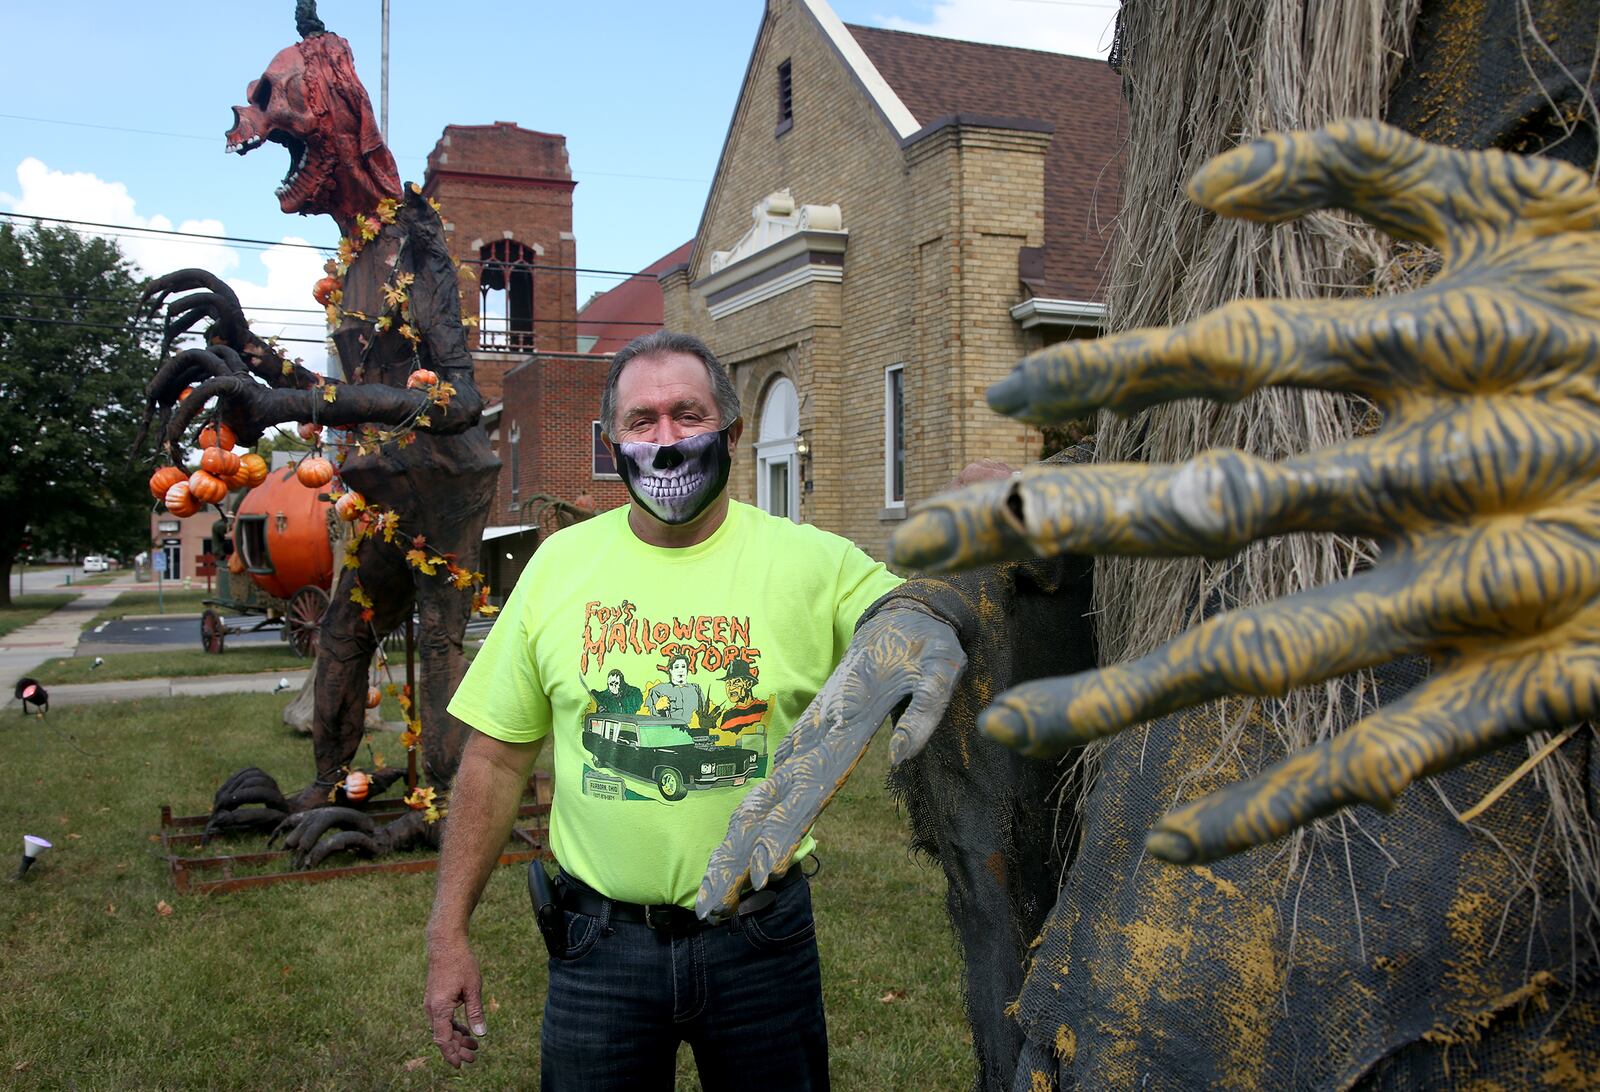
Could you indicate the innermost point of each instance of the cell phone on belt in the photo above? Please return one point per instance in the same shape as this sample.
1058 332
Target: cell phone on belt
546 911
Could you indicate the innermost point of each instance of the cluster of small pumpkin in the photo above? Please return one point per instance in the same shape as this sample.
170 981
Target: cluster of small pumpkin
222 470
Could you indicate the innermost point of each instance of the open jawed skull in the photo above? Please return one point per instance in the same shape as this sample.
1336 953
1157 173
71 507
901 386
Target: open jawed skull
310 101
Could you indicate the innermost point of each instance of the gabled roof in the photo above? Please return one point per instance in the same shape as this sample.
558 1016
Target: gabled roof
1079 98
631 308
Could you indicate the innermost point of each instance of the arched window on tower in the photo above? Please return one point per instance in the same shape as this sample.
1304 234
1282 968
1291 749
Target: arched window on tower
505 296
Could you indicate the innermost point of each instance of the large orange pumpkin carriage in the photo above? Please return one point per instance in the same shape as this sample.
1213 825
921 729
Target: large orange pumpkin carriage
278 542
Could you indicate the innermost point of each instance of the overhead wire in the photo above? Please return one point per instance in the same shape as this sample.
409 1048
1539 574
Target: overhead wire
313 246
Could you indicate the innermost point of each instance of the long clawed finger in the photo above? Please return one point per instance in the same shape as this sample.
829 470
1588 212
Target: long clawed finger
1263 651
1211 505
1453 717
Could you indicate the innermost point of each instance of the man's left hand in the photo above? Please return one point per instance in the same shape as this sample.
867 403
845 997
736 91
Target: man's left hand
900 653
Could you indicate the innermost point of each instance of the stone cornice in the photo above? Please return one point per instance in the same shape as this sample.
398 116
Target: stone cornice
801 258
1037 311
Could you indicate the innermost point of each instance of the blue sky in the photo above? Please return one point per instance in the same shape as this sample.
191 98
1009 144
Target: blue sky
114 111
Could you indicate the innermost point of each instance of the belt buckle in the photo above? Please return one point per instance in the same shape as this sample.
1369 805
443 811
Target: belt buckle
659 916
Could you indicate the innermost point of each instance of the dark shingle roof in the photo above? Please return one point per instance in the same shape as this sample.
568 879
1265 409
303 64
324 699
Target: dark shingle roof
1079 97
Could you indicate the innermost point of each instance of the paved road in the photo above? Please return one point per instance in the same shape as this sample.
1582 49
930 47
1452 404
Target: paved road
37 580
170 630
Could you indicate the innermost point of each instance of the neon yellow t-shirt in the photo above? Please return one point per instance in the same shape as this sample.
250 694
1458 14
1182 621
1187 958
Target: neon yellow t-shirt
668 677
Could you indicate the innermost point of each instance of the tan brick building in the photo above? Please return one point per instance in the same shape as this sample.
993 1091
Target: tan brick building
895 220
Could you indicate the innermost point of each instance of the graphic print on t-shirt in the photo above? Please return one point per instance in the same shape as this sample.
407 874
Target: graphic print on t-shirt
692 722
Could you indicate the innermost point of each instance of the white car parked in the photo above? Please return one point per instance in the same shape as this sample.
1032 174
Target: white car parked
94 563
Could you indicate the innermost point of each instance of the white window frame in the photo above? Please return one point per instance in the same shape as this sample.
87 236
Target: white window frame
780 450
889 499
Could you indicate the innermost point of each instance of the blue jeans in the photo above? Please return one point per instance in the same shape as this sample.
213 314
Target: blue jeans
746 996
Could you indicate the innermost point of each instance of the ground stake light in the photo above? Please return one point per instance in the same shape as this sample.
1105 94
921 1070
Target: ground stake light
32 846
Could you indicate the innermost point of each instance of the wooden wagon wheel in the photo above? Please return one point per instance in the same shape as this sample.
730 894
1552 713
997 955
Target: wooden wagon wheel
303 618
212 631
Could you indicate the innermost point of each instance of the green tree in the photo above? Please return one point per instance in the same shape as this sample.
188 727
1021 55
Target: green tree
72 376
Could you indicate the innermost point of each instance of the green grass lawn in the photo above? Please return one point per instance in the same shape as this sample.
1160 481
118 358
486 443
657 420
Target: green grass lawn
171 601
320 986
90 580
161 665
25 609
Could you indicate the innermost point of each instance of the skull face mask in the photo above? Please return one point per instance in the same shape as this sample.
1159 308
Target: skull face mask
677 482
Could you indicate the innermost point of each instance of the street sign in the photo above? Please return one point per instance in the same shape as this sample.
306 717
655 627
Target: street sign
161 562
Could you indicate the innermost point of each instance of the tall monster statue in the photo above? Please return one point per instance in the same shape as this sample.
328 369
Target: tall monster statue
407 407
1246 893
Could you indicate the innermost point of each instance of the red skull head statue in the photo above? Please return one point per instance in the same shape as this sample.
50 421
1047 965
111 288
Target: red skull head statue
310 101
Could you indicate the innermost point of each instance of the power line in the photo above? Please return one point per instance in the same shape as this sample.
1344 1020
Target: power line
125 327
313 246
576 320
218 139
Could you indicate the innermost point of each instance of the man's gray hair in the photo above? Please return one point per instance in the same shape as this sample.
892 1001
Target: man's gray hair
657 344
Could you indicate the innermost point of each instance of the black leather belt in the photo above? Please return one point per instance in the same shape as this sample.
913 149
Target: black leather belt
575 895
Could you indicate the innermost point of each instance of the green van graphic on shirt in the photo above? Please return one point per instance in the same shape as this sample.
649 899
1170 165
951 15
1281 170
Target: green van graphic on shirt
697 725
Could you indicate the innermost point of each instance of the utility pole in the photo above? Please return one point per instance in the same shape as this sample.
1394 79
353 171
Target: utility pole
383 122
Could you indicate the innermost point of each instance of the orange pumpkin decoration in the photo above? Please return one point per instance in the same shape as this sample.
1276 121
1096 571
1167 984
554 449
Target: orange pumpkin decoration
221 463
349 505
164 479
186 392
309 432
254 469
422 377
374 697
179 501
236 563
357 785
314 472
237 480
324 289
218 436
207 488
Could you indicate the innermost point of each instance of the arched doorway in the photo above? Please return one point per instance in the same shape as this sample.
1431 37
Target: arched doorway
777 457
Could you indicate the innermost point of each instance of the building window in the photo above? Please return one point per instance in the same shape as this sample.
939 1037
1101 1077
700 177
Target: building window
604 465
785 98
777 452
894 436
513 442
505 296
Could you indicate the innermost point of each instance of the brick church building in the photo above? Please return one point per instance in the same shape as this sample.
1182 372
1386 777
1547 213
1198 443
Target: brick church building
895 220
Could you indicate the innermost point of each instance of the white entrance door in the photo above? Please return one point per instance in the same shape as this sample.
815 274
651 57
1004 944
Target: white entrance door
777 463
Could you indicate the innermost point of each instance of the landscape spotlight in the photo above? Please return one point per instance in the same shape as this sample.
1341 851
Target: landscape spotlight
283 684
32 846
30 692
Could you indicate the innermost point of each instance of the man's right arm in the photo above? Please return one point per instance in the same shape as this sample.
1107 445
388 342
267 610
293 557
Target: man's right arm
483 805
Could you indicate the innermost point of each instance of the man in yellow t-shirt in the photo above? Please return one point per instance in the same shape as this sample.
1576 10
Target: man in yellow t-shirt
732 621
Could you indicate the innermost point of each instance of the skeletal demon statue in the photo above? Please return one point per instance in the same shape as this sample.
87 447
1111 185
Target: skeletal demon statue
426 463
1401 890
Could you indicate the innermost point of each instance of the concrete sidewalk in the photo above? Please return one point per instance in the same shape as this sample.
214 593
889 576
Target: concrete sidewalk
198 686
56 634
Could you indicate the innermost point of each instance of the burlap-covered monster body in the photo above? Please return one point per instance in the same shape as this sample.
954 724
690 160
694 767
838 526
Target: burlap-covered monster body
408 407
1324 942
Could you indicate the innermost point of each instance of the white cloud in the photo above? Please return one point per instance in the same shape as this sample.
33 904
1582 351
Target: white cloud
1082 29
84 197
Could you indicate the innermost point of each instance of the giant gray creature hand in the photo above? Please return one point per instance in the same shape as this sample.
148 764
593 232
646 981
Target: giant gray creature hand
1482 487
900 657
